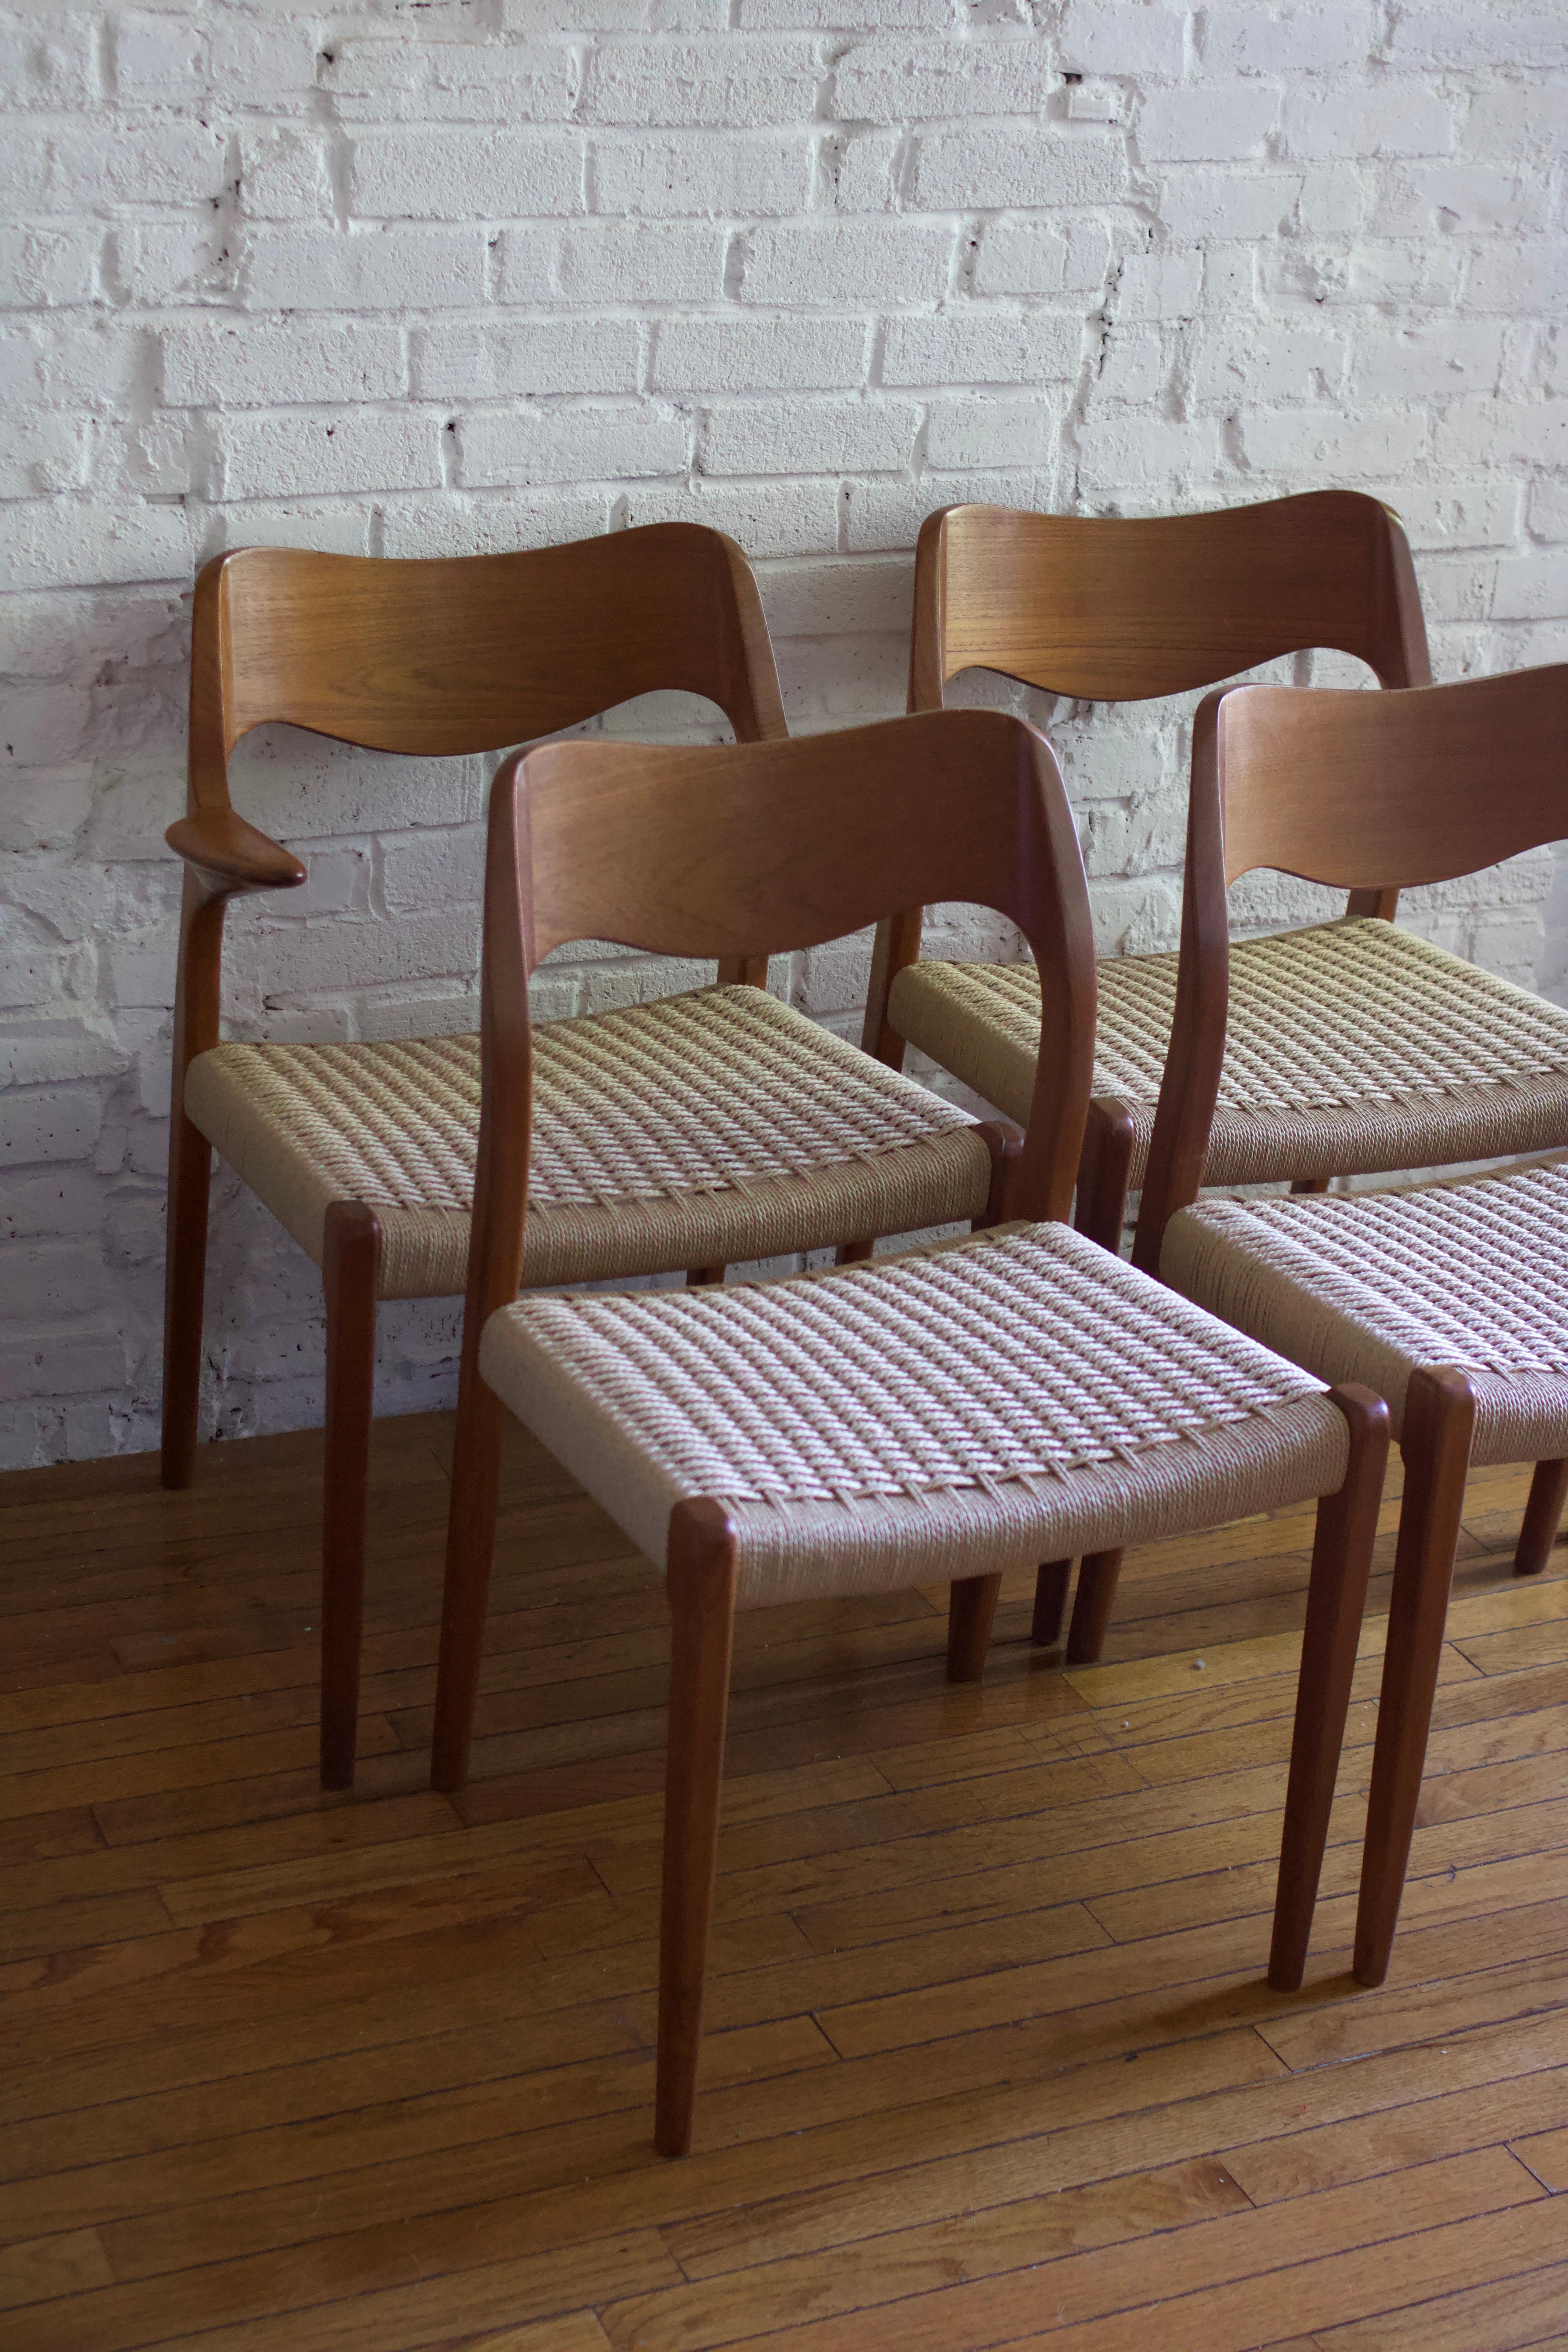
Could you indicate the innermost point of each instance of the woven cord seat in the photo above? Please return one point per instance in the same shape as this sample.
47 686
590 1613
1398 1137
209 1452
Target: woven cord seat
701 1129
1352 1048
952 1411
1472 1273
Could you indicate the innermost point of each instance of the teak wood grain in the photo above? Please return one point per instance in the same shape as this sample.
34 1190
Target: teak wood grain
424 657
378 2120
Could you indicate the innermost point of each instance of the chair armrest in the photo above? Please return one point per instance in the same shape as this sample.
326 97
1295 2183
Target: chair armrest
231 855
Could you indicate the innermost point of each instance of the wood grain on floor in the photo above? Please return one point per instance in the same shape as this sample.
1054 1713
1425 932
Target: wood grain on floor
991 2061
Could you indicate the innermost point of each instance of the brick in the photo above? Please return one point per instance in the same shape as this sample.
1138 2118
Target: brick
494 525
1216 123
977 432
75 542
68 168
572 442
982 345
285 176
862 259
1034 256
1122 38
158 60
729 85
242 365
1246 37
51 67
718 354
284 456
1443 361
459 359
1529 33
614 261
703 172
1044 165
1351 447
1198 205
1259 364
378 270
46 265
1397 118
450 82
41 451
767 517
50 1123
451 174
1531 588
899 80
809 436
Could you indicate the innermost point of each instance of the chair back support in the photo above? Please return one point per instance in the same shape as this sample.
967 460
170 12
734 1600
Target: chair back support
1422 787
1116 610
725 852
474 653
1338 788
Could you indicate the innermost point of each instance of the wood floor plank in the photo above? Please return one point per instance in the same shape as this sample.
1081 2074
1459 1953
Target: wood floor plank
990 2056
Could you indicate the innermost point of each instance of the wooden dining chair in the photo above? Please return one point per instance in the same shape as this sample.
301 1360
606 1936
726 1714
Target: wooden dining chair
714 1126
1450 1298
937 1415
1354 1047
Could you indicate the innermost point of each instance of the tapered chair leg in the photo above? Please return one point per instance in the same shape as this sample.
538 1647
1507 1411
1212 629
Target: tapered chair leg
184 1287
1548 1492
1092 1604
701 1580
703 1277
470 1554
1336 1599
1439 1418
351 1262
970 1612
1050 1602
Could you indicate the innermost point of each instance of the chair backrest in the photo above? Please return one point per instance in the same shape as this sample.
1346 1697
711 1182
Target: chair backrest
1419 787
1338 787
1116 610
450 654
731 851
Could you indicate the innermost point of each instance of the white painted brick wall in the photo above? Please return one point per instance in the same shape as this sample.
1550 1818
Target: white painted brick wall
489 273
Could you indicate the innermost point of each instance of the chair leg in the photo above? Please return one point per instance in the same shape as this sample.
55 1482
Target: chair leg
351 1262
703 1277
1092 1604
470 1554
1439 1417
1104 1172
1336 1599
1309 1184
970 1612
184 1286
1548 1492
1050 1602
701 1582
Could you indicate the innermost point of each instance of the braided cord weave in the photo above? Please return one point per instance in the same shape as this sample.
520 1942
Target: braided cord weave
1318 1019
701 1093
1022 1355
1473 1274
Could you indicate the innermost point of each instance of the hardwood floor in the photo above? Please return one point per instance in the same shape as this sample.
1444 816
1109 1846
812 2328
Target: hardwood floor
990 2058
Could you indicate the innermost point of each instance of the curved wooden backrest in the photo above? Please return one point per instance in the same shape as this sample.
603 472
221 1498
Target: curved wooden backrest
732 851
472 653
1116 610
1339 788
1411 788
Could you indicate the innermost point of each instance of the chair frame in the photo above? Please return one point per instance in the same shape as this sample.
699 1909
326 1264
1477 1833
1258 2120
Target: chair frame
1333 787
727 855
432 656
1108 609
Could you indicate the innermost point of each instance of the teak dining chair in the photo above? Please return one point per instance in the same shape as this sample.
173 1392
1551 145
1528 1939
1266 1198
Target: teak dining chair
937 1415
1449 1299
704 1128
1354 1047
